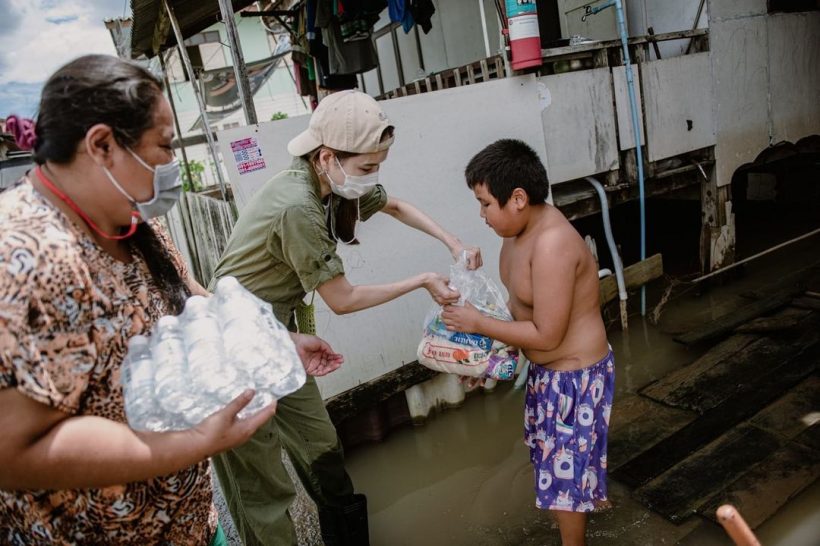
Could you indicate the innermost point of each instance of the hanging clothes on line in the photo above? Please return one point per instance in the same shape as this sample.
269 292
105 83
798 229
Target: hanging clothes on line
357 17
352 56
422 12
400 12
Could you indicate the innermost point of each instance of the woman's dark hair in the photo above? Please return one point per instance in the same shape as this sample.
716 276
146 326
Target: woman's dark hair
103 89
344 224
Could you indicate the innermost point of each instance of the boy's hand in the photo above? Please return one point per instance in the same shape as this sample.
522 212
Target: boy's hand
316 354
460 318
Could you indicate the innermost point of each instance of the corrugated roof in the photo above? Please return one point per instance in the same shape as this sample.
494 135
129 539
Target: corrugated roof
194 16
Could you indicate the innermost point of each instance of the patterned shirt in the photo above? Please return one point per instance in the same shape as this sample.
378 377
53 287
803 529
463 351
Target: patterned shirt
67 309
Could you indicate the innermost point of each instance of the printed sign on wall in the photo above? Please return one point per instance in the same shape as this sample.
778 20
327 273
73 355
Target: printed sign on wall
248 155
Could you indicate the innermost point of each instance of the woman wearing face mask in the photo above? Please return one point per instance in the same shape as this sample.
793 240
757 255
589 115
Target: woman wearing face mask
283 247
81 271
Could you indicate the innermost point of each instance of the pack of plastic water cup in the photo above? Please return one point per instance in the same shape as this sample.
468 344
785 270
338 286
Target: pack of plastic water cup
194 364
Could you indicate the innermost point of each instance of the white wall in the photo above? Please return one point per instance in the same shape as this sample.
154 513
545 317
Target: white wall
665 16
766 78
436 135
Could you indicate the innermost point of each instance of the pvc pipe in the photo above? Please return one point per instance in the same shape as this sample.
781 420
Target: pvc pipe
735 526
613 250
755 256
610 240
633 108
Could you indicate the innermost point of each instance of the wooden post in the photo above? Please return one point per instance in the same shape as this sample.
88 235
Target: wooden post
717 241
240 70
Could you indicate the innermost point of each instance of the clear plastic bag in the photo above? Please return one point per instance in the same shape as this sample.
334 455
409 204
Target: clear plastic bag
464 353
195 363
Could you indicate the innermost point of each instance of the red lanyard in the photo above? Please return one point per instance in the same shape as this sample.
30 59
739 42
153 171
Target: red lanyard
135 216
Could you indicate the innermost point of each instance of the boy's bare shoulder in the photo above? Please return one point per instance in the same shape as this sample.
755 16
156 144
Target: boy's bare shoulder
556 231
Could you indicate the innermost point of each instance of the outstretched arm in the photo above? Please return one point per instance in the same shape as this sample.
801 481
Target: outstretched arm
409 215
343 297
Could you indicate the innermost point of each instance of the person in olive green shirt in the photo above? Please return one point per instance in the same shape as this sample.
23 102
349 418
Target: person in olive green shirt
284 246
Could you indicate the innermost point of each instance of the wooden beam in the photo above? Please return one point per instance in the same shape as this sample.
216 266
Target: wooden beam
349 403
635 275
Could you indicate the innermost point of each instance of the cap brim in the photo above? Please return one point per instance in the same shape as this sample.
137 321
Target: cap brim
302 144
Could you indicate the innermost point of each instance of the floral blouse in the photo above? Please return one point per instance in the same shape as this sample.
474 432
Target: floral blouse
67 309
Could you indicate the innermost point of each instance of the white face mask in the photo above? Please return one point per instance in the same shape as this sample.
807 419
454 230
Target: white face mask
167 188
354 186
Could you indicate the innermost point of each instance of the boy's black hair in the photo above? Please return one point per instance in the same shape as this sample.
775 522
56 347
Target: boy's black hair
507 164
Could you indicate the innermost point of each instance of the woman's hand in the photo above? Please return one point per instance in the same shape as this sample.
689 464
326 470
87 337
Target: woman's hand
316 354
473 255
439 289
224 430
462 318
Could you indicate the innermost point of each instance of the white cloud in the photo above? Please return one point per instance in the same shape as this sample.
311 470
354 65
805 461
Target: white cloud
47 34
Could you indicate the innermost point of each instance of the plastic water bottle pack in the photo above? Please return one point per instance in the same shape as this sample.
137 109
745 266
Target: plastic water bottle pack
195 363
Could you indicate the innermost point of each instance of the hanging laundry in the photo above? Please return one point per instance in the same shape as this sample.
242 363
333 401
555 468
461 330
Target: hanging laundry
422 11
348 57
399 11
345 56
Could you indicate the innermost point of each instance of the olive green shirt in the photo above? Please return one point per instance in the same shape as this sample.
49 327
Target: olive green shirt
280 248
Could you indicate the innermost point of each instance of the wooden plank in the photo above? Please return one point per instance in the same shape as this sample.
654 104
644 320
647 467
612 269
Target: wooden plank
737 373
345 405
734 409
499 68
792 414
635 275
810 437
764 489
665 388
725 324
807 303
637 424
690 485
772 324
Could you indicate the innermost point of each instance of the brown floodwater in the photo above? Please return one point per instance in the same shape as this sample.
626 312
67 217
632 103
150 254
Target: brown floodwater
464 477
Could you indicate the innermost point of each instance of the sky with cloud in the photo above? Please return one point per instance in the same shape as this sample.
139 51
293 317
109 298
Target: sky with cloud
39 36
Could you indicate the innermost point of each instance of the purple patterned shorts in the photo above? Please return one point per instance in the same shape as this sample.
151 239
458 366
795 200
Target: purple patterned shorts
566 419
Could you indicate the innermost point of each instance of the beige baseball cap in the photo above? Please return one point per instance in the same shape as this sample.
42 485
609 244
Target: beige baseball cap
348 121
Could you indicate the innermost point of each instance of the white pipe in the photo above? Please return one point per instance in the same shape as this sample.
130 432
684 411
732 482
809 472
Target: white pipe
758 255
484 28
613 249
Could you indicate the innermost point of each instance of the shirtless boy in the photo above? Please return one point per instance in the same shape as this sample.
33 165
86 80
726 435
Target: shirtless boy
552 280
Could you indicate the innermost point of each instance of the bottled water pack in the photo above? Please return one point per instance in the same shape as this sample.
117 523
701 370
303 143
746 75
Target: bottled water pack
195 363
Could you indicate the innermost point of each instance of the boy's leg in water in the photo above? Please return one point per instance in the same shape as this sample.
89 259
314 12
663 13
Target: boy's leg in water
572 525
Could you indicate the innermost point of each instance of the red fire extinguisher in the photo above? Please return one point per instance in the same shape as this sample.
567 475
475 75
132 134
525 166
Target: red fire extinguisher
522 29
